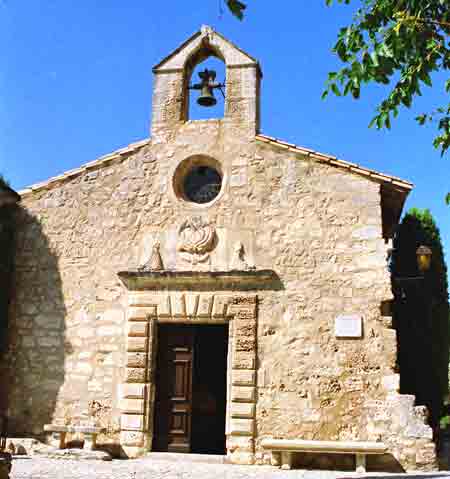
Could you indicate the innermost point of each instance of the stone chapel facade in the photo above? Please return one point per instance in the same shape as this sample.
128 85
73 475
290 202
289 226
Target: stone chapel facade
141 303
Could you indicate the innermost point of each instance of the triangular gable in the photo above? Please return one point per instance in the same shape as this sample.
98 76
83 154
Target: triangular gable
206 37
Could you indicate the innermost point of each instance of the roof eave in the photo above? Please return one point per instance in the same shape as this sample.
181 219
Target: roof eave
382 178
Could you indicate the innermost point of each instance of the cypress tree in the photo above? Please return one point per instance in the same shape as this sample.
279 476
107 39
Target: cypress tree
421 313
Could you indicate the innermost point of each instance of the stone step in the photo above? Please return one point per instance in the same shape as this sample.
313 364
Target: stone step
187 457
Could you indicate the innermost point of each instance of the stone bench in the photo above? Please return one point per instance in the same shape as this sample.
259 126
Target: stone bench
283 450
89 434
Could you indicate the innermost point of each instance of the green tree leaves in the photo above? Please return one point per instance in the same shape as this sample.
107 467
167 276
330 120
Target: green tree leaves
236 8
399 43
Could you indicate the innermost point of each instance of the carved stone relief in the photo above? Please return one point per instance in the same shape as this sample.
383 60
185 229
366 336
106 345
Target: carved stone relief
196 239
239 260
155 262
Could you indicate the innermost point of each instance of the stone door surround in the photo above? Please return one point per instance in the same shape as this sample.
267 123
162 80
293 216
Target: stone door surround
148 308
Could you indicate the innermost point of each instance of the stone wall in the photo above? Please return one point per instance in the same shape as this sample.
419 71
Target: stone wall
318 227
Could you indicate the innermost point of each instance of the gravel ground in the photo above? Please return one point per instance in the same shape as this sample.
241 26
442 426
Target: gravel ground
43 468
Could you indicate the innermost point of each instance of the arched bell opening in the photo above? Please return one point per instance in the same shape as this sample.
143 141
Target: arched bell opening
205 78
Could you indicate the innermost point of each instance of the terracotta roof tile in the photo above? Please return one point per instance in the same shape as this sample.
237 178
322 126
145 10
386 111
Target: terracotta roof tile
115 155
332 160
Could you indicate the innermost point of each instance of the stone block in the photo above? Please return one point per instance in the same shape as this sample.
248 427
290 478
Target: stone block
426 455
136 344
241 443
132 452
132 406
164 306
109 331
244 360
178 305
244 328
243 394
115 316
243 377
135 375
142 314
242 410
245 344
130 391
220 306
132 438
242 458
242 427
367 233
141 300
137 328
205 305
246 314
132 422
137 360
391 383
192 304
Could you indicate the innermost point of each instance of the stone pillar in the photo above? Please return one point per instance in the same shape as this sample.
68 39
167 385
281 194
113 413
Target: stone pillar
240 442
135 391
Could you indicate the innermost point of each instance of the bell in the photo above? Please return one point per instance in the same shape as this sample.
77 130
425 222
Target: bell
206 97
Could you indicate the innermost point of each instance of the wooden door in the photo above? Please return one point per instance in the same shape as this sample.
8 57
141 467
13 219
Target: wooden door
173 413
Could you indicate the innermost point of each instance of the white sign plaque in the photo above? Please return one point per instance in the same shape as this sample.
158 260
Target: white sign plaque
348 326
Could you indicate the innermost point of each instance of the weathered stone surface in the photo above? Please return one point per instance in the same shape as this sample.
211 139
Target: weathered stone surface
137 344
74 454
130 391
132 422
243 394
243 377
137 328
132 438
242 410
137 360
242 427
135 375
132 406
78 334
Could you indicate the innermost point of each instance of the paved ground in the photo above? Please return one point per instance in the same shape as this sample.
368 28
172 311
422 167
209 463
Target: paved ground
40 468
146 468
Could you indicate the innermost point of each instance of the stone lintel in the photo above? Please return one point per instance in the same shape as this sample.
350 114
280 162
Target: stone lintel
136 280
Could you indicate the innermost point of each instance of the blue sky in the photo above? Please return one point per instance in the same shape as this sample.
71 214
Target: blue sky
76 83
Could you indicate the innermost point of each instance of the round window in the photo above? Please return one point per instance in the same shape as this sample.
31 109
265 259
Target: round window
202 184
198 180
